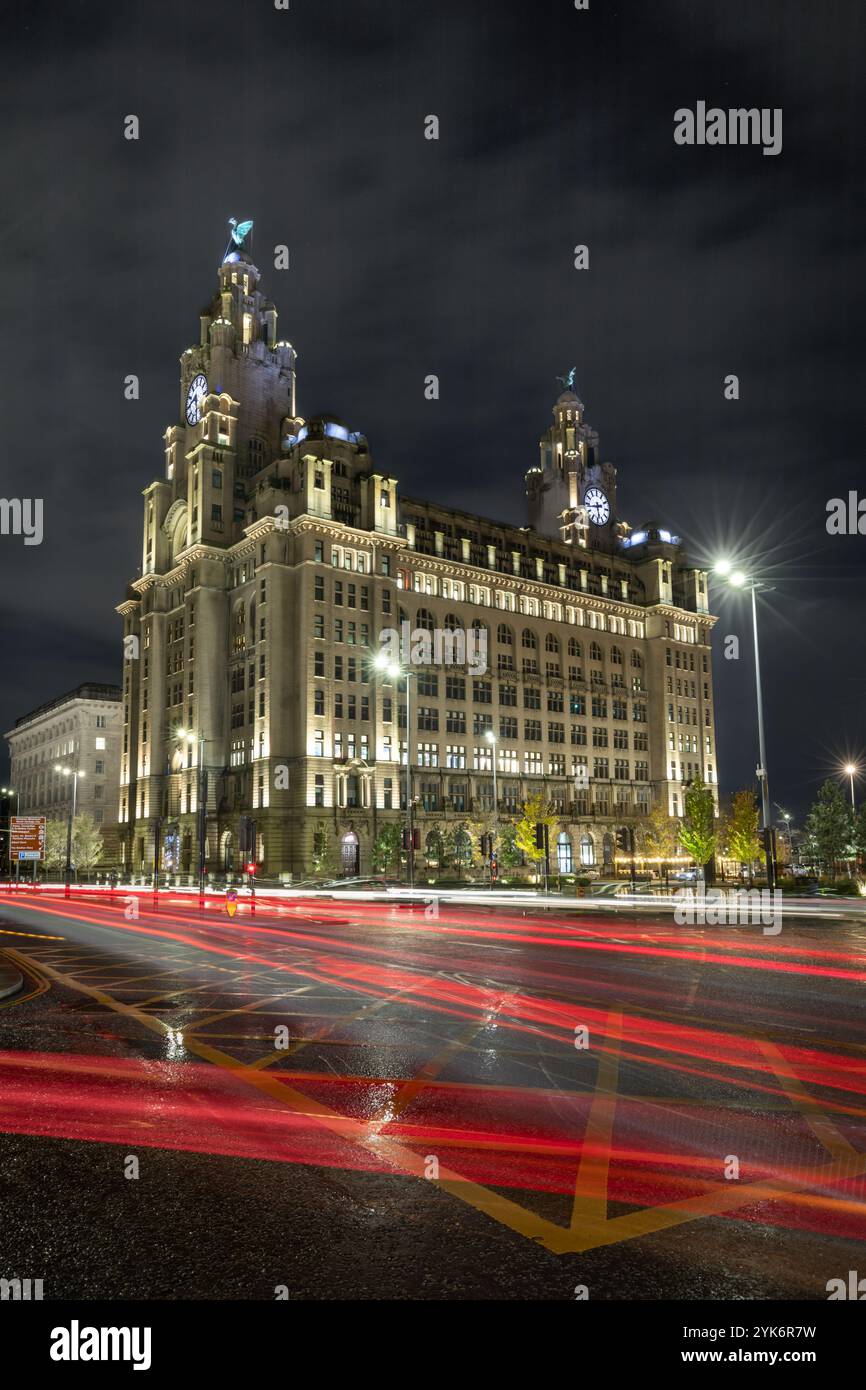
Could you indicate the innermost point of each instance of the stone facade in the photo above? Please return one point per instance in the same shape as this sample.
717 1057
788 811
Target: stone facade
275 553
82 730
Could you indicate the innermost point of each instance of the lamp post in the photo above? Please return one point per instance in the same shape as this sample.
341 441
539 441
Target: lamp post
74 774
493 740
10 792
738 580
851 771
191 737
786 817
384 663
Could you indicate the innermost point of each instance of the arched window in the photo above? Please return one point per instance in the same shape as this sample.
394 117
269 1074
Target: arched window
595 652
565 853
529 639
433 847
637 660
616 656
504 635
551 643
574 647
452 623
587 850
424 619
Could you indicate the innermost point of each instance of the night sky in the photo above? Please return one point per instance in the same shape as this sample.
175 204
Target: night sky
453 257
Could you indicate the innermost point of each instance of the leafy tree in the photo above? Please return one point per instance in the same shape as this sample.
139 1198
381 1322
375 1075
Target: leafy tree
87 843
458 846
55 844
829 826
535 812
740 832
509 853
323 851
697 831
860 831
659 834
434 846
386 847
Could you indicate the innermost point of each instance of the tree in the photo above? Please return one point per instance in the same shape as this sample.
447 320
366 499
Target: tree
659 834
860 831
55 844
698 828
510 856
386 848
829 826
323 851
740 833
87 843
535 812
458 846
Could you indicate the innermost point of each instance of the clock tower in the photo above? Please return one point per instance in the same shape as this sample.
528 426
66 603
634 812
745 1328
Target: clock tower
571 493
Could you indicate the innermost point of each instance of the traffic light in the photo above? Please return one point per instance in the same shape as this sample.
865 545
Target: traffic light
540 836
416 838
250 868
494 868
407 840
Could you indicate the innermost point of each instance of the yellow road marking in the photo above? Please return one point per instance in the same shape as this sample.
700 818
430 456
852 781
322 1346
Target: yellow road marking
595 1230
590 1191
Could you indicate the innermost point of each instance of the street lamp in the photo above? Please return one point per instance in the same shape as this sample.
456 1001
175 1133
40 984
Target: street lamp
190 737
739 580
9 792
786 817
852 770
75 775
383 662
493 740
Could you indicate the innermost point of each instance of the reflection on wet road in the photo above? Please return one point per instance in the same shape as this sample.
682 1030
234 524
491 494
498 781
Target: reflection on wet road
581 1083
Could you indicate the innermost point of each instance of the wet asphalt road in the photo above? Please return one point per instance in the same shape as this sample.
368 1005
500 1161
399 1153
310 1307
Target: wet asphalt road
370 1102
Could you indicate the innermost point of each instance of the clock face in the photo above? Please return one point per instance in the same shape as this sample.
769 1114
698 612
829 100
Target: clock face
597 506
195 397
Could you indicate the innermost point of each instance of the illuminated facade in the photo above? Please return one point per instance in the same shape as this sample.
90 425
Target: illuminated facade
80 730
275 553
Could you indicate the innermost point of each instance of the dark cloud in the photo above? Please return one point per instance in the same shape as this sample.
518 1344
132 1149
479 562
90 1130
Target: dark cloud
454 256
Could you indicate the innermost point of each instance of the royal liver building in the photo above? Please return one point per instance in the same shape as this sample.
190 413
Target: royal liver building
570 656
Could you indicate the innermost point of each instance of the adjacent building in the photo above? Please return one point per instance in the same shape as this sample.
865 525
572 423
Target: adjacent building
277 555
80 730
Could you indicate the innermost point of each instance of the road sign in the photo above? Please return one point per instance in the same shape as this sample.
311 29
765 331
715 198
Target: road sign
27 840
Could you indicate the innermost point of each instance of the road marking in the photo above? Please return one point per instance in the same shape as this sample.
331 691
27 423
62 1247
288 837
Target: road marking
590 1191
592 1230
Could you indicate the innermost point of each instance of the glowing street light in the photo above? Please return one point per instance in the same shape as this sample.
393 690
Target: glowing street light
189 736
851 770
75 775
383 662
10 791
739 580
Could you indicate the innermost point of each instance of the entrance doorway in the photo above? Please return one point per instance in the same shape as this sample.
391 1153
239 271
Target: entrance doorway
350 855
